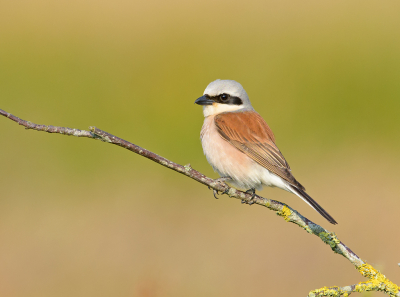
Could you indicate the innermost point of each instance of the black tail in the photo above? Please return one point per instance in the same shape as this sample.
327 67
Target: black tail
303 195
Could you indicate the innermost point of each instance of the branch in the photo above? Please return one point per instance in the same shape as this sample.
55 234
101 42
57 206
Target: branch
376 280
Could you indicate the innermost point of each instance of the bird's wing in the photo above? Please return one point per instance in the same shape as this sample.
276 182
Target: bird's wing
248 132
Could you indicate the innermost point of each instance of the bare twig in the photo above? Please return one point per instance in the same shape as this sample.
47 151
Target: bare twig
376 280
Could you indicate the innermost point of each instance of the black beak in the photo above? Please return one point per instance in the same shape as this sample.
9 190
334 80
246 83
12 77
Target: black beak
203 100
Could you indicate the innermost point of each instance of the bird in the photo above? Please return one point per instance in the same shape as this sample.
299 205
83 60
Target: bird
240 146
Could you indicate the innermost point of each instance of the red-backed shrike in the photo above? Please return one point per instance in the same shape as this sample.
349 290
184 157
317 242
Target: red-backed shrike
241 147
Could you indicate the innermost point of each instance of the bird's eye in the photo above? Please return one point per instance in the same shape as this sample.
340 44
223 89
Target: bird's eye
224 97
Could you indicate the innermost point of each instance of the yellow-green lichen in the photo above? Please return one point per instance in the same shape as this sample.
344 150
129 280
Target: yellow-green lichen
325 291
308 229
377 281
329 238
285 213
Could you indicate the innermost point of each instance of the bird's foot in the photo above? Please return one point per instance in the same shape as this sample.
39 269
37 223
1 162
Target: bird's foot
251 201
221 179
215 192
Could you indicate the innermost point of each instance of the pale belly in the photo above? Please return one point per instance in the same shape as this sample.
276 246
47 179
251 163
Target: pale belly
228 161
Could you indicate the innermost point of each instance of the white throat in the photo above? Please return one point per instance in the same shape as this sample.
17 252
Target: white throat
217 108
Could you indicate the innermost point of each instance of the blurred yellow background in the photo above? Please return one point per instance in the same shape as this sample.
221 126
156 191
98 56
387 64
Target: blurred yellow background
83 218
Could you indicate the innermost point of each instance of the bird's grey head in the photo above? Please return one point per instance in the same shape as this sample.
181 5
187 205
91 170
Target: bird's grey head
224 96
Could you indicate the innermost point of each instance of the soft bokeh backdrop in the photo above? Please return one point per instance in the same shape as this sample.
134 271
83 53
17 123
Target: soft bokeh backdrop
83 218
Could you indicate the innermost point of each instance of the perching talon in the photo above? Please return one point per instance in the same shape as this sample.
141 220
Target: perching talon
215 192
253 194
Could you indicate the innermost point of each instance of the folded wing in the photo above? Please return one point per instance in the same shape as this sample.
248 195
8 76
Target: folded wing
249 133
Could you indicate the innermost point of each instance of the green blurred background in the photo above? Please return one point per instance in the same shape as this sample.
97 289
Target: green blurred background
83 218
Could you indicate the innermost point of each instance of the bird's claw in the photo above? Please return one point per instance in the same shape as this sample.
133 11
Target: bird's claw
251 201
223 180
215 192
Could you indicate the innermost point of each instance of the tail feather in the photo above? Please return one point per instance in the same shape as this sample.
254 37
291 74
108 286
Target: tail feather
303 195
